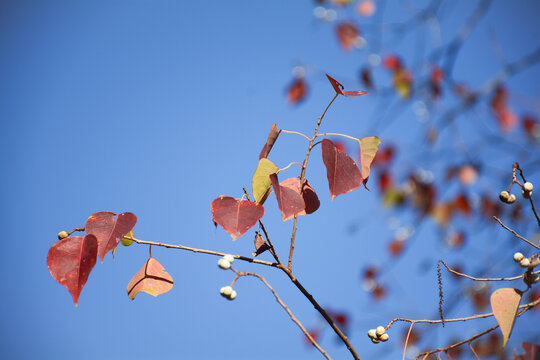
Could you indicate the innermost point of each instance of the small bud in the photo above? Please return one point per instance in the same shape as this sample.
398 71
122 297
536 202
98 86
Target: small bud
226 291
380 330
511 199
528 186
524 263
224 264
233 295
503 195
383 337
62 235
530 278
518 257
375 340
372 333
229 258
526 194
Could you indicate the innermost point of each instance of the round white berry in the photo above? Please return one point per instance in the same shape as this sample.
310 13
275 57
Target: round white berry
526 194
224 264
383 337
525 262
372 333
511 198
233 295
380 330
226 291
528 186
375 340
518 257
503 195
229 258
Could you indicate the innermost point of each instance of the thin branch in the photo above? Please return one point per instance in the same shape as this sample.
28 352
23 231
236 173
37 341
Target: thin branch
337 134
474 352
407 340
530 197
515 233
295 132
481 279
293 318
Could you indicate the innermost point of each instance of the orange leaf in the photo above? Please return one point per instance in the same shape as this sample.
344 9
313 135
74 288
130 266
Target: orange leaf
504 303
151 279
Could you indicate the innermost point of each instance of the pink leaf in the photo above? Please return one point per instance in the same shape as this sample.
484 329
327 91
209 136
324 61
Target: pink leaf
235 216
337 87
311 199
342 173
504 303
151 279
289 200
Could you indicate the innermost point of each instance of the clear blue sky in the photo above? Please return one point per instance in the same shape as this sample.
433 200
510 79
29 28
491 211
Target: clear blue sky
157 107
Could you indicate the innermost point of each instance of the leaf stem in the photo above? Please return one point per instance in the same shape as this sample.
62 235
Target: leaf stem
337 134
295 132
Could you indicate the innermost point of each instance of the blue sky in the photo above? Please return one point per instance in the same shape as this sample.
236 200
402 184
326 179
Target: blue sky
157 108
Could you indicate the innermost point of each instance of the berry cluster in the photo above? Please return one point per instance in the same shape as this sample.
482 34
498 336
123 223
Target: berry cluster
526 192
530 263
228 292
225 262
377 335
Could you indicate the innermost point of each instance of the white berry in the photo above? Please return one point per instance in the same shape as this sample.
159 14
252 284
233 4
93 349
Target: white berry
380 330
528 186
224 264
525 262
375 341
229 258
233 295
383 337
372 333
226 291
526 194
503 195
518 257
511 198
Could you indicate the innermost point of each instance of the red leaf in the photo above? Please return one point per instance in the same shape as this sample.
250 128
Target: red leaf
289 200
366 8
392 62
367 79
235 216
71 260
260 245
272 137
532 352
311 199
504 303
499 104
297 91
342 173
461 203
385 181
337 87
347 33
384 156
151 279
396 247
109 228
531 126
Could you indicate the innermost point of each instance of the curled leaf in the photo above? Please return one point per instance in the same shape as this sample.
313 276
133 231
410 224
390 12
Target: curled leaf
368 150
235 216
260 245
71 260
338 88
342 173
261 182
151 279
289 200
109 228
311 199
272 137
504 303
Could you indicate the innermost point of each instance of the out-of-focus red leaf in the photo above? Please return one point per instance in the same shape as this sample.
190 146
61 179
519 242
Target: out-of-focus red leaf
342 173
338 88
504 303
423 195
480 299
531 126
366 78
490 208
461 203
370 272
235 216
151 279
396 247
459 269
499 104
347 32
468 174
297 91
368 150
366 8
379 292
315 334
437 75
455 240
272 137
340 318
311 200
533 296
384 156
71 260
414 336
532 352
392 62
289 200
109 228
386 181
442 213
260 245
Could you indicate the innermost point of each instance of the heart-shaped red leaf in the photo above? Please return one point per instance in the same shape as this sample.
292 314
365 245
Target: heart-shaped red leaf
289 200
272 137
151 279
235 216
337 86
342 173
71 260
109 228
311 199
504 303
